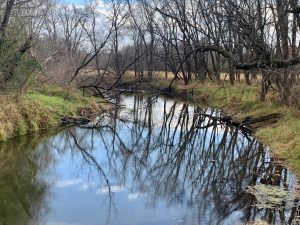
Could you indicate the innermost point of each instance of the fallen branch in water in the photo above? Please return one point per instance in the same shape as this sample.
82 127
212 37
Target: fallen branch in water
69 120
247 124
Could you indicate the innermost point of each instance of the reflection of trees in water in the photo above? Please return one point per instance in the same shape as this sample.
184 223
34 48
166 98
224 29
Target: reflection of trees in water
22 191
185 155
170 150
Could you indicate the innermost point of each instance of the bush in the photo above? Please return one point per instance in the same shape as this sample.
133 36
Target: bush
17 65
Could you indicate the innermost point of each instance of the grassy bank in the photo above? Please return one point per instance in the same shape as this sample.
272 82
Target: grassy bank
39 108
240 101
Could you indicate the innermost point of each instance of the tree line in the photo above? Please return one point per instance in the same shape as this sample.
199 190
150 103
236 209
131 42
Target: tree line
189 39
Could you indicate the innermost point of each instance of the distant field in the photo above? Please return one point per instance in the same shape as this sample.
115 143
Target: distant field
162 75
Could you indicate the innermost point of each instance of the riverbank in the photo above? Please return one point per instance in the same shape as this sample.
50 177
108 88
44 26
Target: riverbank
39 108
241 101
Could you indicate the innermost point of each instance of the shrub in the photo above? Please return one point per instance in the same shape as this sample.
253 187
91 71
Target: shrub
17 65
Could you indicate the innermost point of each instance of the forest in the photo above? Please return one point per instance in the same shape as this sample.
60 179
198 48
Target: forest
189 40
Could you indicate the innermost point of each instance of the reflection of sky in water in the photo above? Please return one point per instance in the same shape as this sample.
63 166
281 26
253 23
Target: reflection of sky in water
80 195
79 198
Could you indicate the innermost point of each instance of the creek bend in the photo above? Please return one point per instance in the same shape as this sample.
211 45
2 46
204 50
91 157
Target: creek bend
156 161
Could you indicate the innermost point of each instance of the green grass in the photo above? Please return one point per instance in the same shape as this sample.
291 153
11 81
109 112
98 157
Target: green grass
38 109
284 139
57 104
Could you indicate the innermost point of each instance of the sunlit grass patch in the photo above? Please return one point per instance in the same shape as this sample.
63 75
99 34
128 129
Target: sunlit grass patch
55 103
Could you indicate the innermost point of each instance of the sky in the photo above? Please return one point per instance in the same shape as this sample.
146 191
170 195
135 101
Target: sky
101 7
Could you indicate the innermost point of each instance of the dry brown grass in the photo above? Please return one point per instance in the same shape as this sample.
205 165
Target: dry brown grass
162 75
130 74
257 222
20 116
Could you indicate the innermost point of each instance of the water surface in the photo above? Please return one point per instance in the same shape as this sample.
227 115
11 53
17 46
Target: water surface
155 161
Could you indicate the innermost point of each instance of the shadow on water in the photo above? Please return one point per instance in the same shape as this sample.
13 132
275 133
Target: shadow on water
174 158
